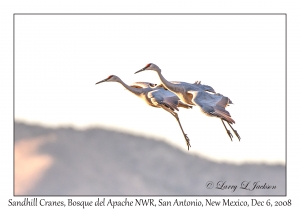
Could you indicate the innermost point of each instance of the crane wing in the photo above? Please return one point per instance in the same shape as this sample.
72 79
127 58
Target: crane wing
229 102
195 85
212 104
206 88
142 84
162 96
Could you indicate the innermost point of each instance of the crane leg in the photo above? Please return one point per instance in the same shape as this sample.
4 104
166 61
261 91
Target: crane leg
185 135
174 114
235 132
228 131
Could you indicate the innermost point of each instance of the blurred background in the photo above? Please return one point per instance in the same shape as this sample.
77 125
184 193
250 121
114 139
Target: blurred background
75 138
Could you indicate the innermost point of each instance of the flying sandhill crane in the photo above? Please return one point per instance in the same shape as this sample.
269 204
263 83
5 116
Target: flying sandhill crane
154 96
192 94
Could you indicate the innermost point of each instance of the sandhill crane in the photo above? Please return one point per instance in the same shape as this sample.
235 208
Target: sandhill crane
154 96
192 94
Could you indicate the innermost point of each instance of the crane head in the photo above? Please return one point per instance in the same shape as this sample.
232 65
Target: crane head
150 66
111 78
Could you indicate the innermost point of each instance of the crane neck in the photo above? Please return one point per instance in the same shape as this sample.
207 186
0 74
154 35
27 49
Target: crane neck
165 82
136 91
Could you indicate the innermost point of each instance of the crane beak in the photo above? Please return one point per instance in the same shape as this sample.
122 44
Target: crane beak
101 81
143 69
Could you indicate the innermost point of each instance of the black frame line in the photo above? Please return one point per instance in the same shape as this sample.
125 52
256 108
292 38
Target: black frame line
285 14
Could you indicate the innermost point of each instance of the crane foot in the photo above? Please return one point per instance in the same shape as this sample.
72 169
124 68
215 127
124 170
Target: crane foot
187 141
229 134
237 135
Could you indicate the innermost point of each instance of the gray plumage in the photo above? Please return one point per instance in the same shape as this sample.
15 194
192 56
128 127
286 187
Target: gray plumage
196 94
212 104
